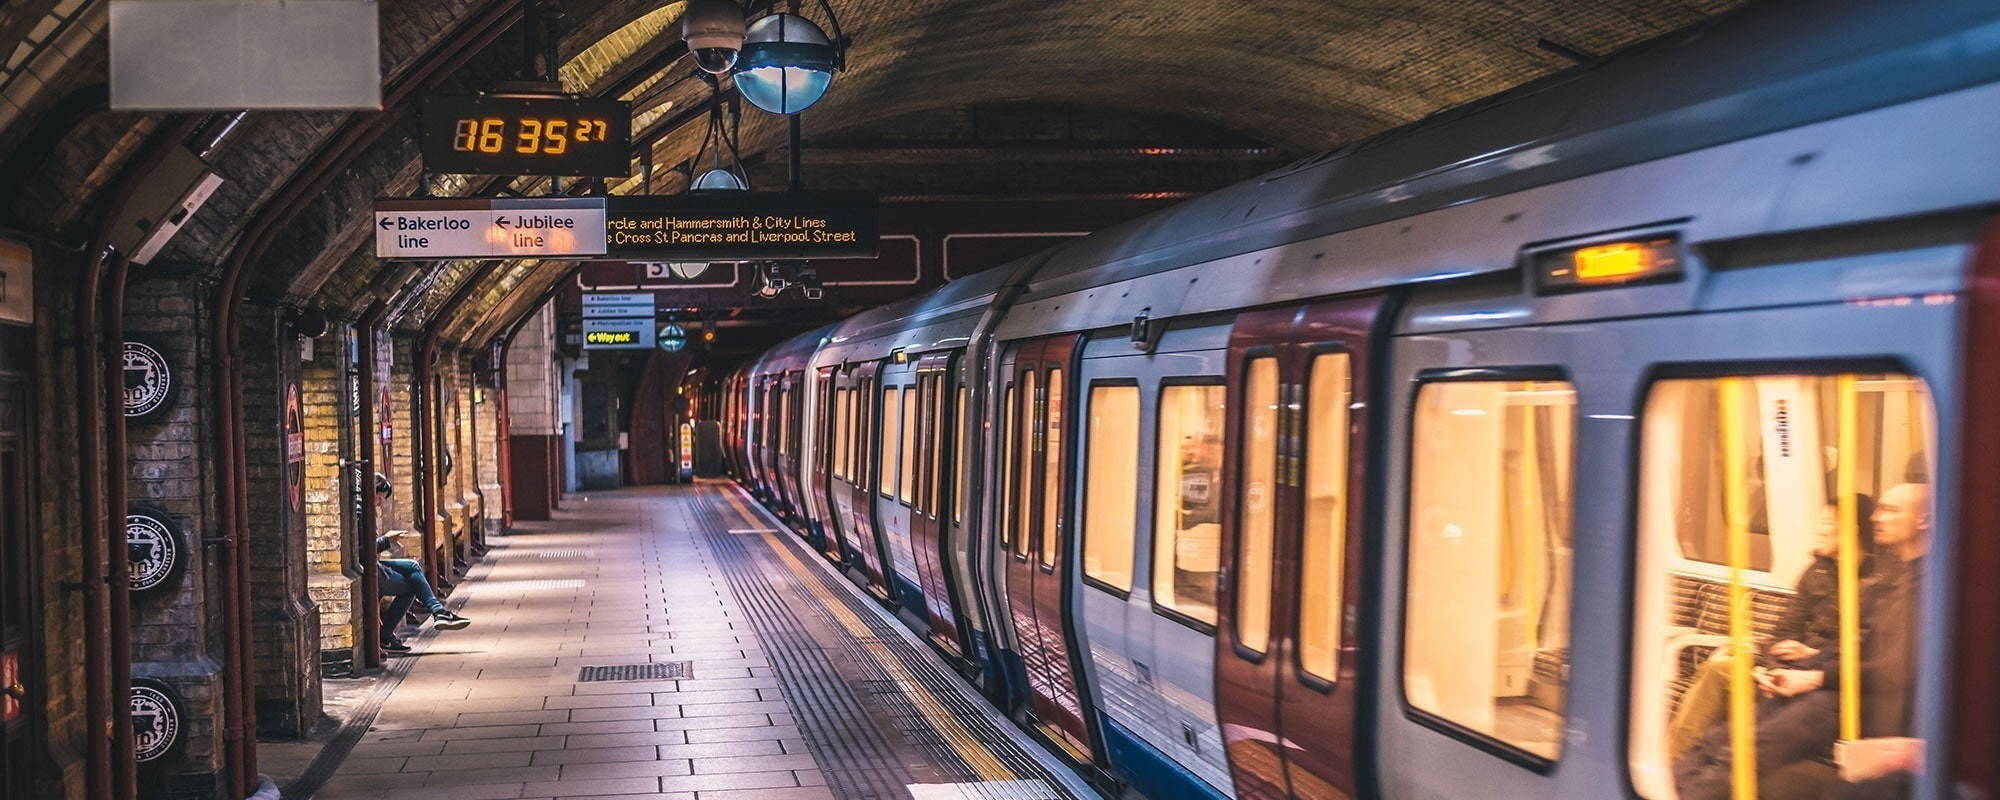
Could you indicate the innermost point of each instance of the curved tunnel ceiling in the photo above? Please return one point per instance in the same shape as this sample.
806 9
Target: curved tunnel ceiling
1299 75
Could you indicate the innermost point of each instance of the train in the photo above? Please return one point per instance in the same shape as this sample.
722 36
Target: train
1486 457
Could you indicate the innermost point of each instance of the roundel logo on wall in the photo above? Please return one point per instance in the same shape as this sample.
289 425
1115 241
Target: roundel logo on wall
156 550
150 382
157 719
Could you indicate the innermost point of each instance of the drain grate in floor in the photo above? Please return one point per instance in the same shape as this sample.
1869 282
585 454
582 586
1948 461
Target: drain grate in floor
668 671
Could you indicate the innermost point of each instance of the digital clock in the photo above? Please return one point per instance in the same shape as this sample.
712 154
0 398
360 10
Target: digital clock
526 135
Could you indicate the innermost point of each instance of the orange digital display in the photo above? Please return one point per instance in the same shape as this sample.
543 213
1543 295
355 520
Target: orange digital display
527 135
1620 263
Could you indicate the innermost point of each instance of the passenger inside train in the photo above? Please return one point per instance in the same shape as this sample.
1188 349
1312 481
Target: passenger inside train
1825 603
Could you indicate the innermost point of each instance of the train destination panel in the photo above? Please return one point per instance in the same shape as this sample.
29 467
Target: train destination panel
547 227
737 227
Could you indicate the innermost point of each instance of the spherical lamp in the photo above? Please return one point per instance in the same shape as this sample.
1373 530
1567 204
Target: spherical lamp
786 65
718 180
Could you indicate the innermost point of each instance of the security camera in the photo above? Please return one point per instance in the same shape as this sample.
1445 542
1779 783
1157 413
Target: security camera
713 30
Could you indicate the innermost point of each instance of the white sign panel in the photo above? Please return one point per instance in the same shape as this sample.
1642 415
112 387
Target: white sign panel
605 306
185 55
554 227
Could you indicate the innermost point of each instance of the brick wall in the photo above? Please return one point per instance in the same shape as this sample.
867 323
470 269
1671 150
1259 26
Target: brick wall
177 632
330 545
285 621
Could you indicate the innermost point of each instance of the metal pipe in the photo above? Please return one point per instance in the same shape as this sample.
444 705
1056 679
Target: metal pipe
124 761
96 643
427 403
370 623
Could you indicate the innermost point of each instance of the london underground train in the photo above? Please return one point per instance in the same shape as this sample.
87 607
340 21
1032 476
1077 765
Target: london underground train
1580 442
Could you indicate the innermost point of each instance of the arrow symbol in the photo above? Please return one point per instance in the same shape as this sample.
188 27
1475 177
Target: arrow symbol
502 222
384 222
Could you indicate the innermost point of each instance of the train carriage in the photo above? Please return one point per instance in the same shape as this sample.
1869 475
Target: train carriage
1486 457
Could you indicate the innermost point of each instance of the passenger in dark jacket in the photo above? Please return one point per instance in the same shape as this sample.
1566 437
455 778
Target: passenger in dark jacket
1800 721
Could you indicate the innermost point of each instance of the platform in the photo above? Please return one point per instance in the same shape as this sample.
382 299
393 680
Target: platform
673 640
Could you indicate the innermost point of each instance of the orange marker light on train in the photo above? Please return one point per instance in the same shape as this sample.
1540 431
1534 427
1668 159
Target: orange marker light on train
1613 262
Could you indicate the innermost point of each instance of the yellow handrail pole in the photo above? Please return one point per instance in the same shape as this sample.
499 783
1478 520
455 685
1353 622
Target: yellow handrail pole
1850 563
1736 519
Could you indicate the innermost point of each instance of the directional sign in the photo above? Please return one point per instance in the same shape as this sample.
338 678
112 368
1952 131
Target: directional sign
617 334
741 226
538 227
604 305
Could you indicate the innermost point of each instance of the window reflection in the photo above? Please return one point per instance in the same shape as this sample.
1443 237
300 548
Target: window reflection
1187 500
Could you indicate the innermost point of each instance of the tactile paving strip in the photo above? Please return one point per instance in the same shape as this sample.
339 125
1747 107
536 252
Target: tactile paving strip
970 752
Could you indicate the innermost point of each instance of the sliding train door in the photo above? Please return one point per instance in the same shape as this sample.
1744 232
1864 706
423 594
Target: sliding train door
936 485
1039 542
1286 665
866 545
819 472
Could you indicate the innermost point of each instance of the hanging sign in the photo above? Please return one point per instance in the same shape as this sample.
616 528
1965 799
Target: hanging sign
157 719
527 135
155 550
150 383
604 305
741 226
538 227
617 334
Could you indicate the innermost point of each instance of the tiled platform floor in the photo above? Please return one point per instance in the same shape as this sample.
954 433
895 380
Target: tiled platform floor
496 710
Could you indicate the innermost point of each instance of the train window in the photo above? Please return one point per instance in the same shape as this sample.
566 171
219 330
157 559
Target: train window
1486 618
892 431
1260 488
1187 521
906 488
1324 544
1006 471
1052 472
958 455
841 428
1024 455
1783 523
1111 485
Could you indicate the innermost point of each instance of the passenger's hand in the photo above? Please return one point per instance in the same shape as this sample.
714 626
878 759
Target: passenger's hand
1795 682
1792 650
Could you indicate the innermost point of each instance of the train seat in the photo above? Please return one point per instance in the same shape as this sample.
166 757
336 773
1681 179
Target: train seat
1700 617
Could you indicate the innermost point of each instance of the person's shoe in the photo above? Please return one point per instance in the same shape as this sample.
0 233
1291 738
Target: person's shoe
449 621
391 644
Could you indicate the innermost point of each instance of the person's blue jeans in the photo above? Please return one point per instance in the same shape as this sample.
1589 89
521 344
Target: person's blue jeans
404 579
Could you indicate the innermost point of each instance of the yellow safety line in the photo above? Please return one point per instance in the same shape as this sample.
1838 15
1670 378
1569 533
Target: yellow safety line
947 724
1736 517
1850 565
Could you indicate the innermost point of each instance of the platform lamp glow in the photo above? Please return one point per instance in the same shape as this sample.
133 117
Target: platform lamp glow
787 63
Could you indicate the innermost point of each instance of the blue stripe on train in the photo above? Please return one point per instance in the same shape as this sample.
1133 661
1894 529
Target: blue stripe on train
909 596
1149 770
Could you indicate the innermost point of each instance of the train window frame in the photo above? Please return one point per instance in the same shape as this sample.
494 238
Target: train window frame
1307 678
886 475
1054 487
1232 573
1648 383
1153 510
909 455
1465 735
1023 540
1083 501
961 432
1003 440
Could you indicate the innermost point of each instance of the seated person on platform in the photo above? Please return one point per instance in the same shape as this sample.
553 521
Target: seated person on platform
404 580
1798 724
1811 624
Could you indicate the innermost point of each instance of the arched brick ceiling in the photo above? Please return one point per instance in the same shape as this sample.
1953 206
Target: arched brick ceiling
1301 75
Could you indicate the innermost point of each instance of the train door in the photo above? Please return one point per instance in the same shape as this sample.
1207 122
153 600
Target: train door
957 526
933 491
1286 670
19 691
792 434
1036 592
819 478
896 482
861 492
